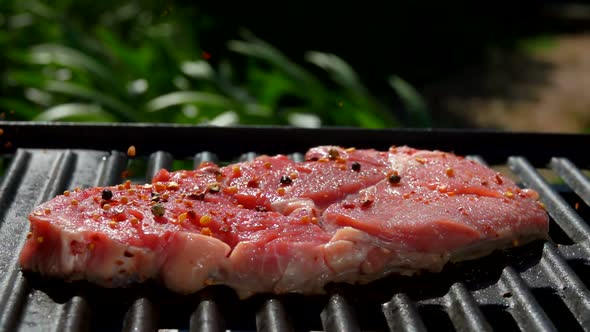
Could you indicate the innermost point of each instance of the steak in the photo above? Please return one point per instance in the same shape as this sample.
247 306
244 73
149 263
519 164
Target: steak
275 225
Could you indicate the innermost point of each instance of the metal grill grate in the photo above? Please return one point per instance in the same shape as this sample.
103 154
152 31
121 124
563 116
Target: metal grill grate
537 287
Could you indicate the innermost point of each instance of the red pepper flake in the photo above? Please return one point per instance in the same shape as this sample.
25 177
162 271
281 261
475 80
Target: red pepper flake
40 239
172 186
349 150
236 170
498 179
366 203
281 191
253 183
314 220
159 186
206 231
450 172
231 190
67 193
206 55
577 205
124 200
127 184
191 215
421 160
267 165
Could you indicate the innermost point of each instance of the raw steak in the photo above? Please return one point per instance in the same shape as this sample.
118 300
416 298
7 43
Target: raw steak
274 225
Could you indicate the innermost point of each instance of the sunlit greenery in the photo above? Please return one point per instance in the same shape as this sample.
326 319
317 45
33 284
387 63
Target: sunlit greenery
137 61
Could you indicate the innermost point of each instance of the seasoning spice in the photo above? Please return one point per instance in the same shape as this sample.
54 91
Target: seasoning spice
214 187
333 154
286 180
158 210
205 220
106 195
450 172
356 166
394 178
131 151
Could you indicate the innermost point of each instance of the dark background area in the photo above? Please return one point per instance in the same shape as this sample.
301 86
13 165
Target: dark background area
426 43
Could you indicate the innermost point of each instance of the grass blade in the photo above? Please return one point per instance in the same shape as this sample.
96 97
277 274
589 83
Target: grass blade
188 97
75 112
120 109
413 102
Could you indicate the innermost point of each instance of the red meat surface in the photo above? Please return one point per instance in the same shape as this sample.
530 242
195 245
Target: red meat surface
275 225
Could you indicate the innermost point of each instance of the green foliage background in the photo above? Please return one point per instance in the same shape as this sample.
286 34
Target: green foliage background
135 61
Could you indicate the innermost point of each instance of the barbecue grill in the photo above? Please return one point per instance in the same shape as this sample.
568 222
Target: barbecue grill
542 286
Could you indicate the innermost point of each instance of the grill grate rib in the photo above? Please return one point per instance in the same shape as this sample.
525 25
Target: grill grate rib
504 291
401 314
573 177
465 311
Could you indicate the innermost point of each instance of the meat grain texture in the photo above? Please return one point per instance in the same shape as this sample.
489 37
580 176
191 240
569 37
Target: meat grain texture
274 225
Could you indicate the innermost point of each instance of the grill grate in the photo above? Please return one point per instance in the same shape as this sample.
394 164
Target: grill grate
538 287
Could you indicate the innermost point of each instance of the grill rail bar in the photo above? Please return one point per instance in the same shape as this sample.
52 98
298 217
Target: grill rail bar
24 305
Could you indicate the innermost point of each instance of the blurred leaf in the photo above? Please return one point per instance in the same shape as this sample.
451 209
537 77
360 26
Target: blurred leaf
137 60
197 69
58 54
25 78
341 72
257 48
188 97
225 119
369 120
413 102
75 112
119 108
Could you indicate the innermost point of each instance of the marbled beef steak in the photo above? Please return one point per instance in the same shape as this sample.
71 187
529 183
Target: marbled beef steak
275 225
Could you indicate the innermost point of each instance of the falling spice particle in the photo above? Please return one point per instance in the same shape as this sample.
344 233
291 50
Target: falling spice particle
577 205
131 151
206 55
1 131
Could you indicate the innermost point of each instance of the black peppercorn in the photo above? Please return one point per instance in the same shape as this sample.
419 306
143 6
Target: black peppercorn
285 180
107 194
